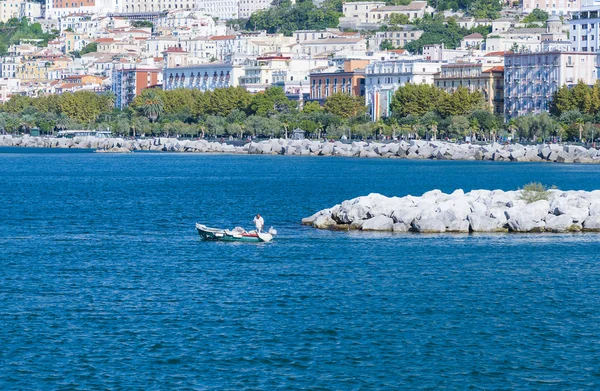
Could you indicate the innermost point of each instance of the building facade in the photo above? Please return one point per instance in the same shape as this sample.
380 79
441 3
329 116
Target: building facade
383 78
552 7
530 79
19 9
414 10
248 7
398 39
127 83
204 77
59 8
584 29
489 80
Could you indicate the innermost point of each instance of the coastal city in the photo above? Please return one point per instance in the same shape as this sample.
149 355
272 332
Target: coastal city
299 195
468 71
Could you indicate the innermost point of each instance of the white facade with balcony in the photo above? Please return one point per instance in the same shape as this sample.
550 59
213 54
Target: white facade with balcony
530 79
383 78
204 77
584 30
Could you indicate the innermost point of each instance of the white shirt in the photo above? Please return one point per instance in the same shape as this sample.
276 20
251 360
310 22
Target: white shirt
259 222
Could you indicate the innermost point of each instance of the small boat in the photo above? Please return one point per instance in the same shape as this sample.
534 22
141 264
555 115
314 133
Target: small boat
237 234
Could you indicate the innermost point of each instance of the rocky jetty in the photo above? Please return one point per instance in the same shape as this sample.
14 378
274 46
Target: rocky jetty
475 211
414 149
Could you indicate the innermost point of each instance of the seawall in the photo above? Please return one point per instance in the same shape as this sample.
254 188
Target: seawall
414 149
476 211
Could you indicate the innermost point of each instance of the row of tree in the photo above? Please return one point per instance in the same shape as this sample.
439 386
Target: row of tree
580 97
417 111
418 99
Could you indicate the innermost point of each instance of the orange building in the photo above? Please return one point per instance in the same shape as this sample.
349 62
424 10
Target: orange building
348 80
129 83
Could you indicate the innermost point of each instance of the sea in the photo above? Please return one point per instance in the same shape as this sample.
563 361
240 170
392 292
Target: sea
106 285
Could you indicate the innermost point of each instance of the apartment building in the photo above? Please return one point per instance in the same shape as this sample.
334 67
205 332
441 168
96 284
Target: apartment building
248 7
348 80
584 29
128 82
398 39
552 7
530 79
485 78
204 77
383 78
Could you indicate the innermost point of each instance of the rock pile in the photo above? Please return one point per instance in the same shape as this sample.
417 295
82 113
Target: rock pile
414 149
475 211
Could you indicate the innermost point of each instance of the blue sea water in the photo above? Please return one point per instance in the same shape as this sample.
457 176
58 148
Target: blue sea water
104 283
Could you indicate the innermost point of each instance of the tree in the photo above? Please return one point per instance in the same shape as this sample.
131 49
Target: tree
487 121
345 106
312 107
460 102
152 105
84 106
582 97
486 9
537 15
89 48
271 101
142 24
397 19
459 126
303 15
431 121
386 44
562 101
415 99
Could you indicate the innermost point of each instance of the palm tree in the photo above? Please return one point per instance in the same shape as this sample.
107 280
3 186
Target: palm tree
62 121
580 122
152 106
512 127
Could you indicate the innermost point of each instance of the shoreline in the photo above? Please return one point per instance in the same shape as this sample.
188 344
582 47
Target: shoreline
413 149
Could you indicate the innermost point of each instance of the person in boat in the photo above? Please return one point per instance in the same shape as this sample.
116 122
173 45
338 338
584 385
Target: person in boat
259 222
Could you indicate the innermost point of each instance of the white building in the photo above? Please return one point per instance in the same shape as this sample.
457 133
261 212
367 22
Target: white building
222 9
290 73
530 39
530 79
360 10
584 29
204 77
59 8
19 9
370 12
197 23
553 7
248 7
8 88
329 45
383 78
398 39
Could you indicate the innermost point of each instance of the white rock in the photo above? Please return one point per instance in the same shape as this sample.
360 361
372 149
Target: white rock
378 223
560 223
461 226
400 227
592 223
429 226
481 223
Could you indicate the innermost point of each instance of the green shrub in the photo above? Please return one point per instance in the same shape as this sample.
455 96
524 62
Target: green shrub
534 191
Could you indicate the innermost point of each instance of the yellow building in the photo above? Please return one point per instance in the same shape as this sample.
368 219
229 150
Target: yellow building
41 67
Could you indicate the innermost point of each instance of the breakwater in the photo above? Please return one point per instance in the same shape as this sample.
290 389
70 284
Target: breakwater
413 149
475 211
